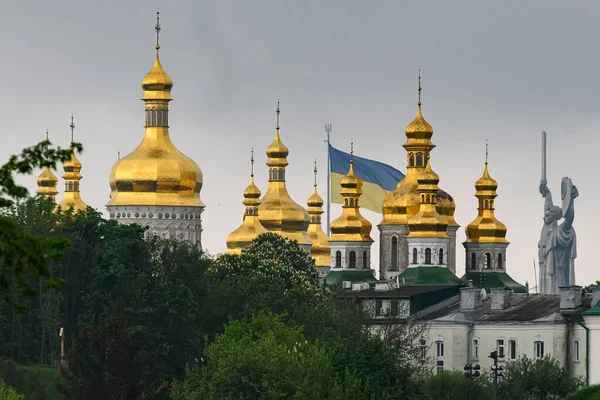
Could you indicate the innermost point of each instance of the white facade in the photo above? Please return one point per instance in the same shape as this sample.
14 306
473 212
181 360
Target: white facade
464 343
350 255
183 223
427 252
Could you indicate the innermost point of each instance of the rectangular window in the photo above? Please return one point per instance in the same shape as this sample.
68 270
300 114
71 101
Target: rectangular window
439 366
500 348
538 349
475 350
439 349
394 308
512 349
378 307
423 348
576 350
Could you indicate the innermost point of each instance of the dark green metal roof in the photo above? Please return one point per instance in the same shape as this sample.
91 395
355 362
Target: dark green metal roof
335 278
428 276
492 280
593 311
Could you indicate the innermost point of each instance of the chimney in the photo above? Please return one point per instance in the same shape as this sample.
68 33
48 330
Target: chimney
595 295
500 298
570 297
470 298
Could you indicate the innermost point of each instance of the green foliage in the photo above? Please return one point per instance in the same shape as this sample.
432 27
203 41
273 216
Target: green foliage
263 358
587 393
453 385
8 393
536 380
25 255
33 382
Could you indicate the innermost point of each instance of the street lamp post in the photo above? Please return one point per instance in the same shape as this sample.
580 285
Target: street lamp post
471 371
496 371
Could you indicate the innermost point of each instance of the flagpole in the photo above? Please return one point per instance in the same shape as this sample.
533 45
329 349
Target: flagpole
328 131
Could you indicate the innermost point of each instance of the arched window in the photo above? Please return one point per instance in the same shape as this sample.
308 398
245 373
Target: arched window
76 186
352 263
419 160
473 261
70 186
346 202
153 123
159 115
427 198
414 260
488 261
338 259
275 174
426 159
500 261
485 204
394 253
428 256
412 160
441 256
351 202
365 260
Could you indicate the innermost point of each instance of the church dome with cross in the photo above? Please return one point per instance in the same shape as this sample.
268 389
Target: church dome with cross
156 185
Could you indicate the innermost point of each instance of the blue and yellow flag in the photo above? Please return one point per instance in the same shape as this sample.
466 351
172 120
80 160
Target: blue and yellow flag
378 178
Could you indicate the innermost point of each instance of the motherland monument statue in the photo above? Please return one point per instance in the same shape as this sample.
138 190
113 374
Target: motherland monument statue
557 247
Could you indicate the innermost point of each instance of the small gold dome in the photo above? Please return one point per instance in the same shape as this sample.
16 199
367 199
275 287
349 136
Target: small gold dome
251 227
47 183
428 223
320 249
351 226
277 211
486 228
419 127
157 77
72 198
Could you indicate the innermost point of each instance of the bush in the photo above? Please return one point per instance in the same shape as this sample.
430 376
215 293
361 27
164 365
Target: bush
587 393
453 385
8 393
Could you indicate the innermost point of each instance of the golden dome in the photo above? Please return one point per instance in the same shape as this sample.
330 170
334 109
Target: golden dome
351 226
72 197
320 249
400 205
428 223
486 228
156 173
277 211
251 227
419 127
47 183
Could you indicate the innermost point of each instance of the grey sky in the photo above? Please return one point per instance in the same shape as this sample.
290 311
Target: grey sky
501 70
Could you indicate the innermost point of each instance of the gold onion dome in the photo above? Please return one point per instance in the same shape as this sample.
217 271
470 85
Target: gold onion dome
251 227
320 249
156 172
72 177
47 183
428 223
400 205
351 225
277 211
486 228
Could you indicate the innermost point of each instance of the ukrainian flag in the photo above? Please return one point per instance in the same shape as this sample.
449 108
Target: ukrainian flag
378 178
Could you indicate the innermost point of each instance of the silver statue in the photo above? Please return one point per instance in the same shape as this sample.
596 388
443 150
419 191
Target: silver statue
557 245
557 248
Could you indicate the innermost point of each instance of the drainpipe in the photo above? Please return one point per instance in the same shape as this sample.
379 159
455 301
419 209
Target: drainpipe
587 352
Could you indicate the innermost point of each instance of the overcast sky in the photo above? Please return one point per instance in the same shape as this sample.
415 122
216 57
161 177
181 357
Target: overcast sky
497 70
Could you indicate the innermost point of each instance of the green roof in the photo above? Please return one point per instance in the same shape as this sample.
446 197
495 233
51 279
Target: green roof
335 277
593 311
492 280
428 276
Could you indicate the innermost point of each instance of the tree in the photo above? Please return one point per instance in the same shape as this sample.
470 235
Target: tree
263 358
453 385
536 380
25 255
